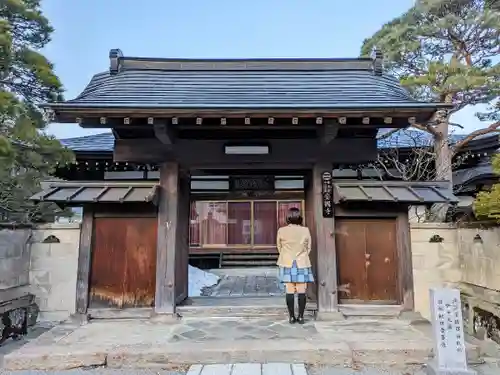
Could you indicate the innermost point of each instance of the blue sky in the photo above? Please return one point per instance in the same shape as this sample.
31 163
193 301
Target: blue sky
87 29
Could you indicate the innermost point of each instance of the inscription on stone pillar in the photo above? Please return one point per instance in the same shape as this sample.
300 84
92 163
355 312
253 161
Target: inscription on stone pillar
448 332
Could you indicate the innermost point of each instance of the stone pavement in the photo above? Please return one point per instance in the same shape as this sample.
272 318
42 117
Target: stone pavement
149 344
249 369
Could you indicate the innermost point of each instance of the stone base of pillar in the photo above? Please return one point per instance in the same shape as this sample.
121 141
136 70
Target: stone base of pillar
78 318
433 369
413 317
330 316
165 318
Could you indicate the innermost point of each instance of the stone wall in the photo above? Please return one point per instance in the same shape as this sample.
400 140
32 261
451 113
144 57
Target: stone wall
14 258
435 260
479 253
444 255
54 261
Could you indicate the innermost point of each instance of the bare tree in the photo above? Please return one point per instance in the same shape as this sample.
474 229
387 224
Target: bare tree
409 155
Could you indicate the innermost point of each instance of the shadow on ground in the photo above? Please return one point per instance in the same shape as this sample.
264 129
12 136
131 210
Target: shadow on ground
33 332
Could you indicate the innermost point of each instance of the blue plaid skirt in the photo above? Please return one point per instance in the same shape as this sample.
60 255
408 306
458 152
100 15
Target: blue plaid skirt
296 275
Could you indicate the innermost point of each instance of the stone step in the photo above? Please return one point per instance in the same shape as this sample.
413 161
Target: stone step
231 311
250 256
249 260
245 307
247 263
147 345
394 354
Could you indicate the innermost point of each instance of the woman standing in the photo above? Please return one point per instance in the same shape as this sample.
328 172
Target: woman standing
294 246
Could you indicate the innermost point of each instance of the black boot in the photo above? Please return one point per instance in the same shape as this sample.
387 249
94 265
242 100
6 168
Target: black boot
290 304
302 307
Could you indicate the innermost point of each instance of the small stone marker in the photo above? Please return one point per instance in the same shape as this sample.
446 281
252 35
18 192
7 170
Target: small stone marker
447 326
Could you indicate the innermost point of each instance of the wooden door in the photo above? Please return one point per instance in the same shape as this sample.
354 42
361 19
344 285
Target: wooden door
123 268
367 260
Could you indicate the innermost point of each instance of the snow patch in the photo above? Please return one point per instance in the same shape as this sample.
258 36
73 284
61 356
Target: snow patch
198 280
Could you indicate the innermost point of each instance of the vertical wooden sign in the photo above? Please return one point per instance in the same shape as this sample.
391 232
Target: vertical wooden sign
327 194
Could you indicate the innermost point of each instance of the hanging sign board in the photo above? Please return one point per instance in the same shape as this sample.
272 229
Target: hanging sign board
252 183
327 194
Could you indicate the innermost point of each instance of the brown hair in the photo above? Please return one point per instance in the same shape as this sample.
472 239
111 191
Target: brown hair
294 216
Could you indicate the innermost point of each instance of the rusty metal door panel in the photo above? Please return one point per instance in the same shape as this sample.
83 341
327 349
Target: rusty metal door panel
382 262
351 262
123 262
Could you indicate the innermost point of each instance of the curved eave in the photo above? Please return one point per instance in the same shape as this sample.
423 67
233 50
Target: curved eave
69 112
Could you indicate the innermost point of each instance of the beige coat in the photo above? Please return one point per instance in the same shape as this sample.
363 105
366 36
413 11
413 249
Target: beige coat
294 243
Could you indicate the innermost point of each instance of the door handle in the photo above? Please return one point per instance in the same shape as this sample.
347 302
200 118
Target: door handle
387 260
367 256
367 263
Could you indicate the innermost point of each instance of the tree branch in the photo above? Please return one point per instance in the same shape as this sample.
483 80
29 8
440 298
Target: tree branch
388 134
490 129
427 128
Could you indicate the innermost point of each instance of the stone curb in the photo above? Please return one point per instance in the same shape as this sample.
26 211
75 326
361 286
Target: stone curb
53 361
342 354
248 352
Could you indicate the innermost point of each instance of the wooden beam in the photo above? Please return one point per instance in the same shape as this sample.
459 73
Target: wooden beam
129 121
211 152
325 246
149 150
329 131
68 114
163 132
84 260
168 208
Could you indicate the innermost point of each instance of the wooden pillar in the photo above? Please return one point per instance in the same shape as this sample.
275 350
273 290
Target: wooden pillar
405 266
182 251
168 210
325 246
84 260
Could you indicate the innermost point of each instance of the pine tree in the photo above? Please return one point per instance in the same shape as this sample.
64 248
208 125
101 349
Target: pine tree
27 154
446 51
487 203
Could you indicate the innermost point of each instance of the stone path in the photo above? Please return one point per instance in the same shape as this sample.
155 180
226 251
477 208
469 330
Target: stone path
249 369
146 344
246 282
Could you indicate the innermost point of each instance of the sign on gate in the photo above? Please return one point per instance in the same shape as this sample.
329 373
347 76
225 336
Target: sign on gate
327 193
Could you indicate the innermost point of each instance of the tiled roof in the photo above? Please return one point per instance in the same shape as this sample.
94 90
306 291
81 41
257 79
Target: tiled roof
484 170
96 192
393 191
243 83
104 142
